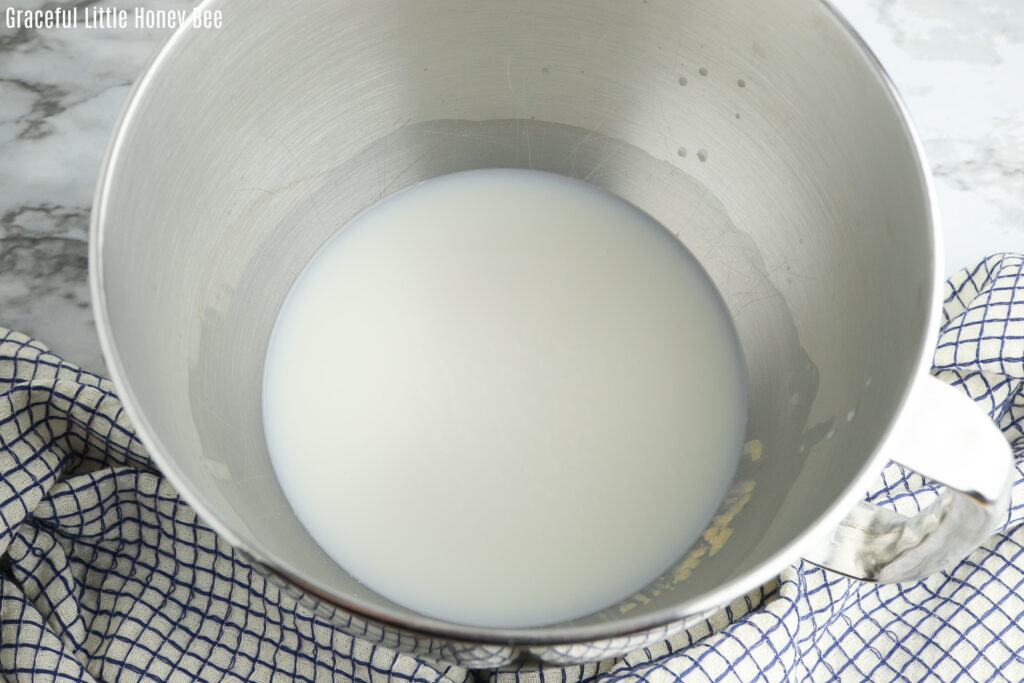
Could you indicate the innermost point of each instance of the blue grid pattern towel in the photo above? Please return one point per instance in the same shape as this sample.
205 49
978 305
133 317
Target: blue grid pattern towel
106 574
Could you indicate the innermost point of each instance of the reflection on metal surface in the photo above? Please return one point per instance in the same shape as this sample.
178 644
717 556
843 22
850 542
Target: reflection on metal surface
941 426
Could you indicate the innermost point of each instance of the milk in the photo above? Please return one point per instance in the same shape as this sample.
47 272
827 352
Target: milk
504 398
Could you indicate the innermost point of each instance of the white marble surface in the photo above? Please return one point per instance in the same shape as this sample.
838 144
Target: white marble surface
958 63
61 91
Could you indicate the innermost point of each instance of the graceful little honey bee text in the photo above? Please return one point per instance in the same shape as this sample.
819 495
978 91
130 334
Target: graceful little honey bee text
111 18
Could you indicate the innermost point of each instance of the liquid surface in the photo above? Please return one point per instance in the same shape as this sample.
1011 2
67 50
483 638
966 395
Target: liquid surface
504 398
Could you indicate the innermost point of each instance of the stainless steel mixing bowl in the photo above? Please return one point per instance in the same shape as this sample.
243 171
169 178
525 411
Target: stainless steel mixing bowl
763 133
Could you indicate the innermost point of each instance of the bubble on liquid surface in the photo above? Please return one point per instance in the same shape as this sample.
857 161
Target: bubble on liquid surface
852 414
681 151
702 154
702 71
545 71
742 83
682 80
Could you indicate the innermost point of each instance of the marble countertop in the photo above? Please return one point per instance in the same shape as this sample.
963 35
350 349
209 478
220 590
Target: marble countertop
959 66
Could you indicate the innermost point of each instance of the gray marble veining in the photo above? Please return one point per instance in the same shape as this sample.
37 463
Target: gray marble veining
61 91
960 67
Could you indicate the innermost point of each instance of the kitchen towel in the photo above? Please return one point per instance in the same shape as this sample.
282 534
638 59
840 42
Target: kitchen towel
106 574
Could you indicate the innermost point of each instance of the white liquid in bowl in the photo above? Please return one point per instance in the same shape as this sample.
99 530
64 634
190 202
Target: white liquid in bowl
504 398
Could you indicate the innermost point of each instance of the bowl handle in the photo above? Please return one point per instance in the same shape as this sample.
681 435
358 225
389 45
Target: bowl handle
945 436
